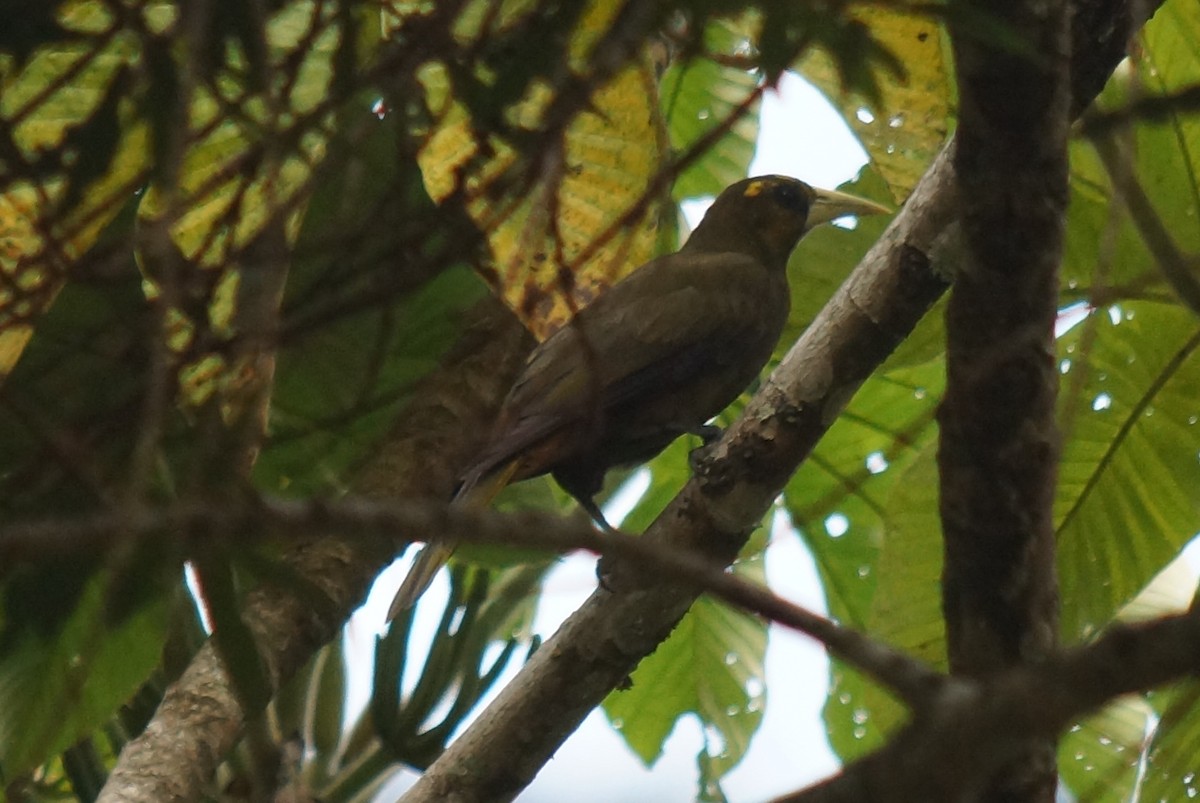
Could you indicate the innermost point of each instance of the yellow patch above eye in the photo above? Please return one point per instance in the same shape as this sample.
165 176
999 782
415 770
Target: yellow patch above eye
754 188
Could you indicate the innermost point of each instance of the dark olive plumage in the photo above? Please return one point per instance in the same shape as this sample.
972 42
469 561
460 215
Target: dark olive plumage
654 357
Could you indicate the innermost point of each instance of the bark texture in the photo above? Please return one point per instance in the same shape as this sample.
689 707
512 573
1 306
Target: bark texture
998 453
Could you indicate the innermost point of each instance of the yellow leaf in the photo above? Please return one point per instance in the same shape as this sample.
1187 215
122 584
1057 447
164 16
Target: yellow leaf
239 173
576 229
904 133
60 88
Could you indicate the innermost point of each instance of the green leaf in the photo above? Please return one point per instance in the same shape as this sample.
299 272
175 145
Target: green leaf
905 610
372 303
241 171
1099 758
905 124
850 476
54 689
1126 501
698 95
327 702
1171 774
1105 257
1103 757
339 388
712 666
79 380
74 152
548 257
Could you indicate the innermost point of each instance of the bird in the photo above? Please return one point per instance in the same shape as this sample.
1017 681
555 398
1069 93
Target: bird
655 357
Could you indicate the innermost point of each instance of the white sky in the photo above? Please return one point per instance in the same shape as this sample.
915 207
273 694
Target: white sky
802 136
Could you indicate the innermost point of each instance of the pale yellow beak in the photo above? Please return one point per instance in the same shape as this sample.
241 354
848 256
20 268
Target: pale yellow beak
829 205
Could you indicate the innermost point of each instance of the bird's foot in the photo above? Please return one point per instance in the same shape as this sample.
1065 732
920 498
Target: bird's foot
605 565
604 572
697 456
707 433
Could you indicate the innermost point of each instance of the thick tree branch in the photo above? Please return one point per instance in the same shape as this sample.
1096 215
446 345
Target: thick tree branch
999 439
998 453
974 727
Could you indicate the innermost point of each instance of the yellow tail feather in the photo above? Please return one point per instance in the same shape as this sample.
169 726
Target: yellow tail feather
474 493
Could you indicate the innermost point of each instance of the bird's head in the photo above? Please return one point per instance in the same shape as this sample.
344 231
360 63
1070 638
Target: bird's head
766 216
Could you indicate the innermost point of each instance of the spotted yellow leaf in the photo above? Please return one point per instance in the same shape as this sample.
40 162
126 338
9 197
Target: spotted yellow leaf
586 217
45 225
905 129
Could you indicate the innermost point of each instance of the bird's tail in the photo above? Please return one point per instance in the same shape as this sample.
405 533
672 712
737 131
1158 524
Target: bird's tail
476 491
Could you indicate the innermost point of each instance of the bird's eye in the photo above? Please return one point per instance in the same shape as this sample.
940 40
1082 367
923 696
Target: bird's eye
789 196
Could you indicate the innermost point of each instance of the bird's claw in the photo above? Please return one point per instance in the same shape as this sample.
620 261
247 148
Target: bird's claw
604 572
697 456
708 433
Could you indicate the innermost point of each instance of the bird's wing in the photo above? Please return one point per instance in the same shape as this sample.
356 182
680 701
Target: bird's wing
659 326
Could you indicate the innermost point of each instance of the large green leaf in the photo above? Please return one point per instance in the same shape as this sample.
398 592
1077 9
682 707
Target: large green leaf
712 666
254 133
1103 757
1171 774
1099 759
372 302
1127 497
1127 500
339 388
555 221
838 497
699 95
56 687
74 152
78 383
905 123
241 170
905 610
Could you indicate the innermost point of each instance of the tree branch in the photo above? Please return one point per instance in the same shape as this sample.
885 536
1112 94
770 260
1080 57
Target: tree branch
434 520
974 727
998 453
